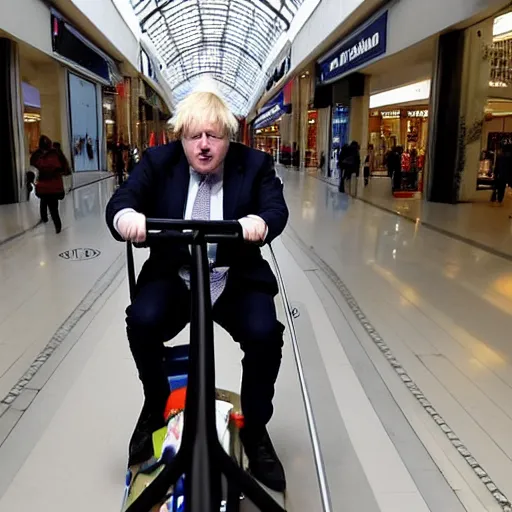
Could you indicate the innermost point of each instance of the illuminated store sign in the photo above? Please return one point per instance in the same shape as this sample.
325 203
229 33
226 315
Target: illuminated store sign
368 44
417 113
415 92
391 114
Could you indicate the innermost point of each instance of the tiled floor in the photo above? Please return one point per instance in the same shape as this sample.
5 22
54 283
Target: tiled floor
357 277
442 306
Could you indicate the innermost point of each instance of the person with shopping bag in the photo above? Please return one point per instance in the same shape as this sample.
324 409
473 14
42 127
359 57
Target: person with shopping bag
51 166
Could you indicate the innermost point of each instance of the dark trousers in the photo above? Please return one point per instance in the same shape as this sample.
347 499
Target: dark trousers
161 309
50 202
498 193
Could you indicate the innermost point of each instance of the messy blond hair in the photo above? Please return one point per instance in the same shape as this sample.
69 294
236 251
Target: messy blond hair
200 108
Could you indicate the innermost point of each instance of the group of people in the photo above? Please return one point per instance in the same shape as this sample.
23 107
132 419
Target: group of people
349 163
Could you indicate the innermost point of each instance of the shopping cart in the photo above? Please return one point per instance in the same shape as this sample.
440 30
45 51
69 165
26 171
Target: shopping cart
209 477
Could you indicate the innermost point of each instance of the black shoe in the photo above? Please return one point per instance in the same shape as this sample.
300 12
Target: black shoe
141 443
264 463
58 229
44 219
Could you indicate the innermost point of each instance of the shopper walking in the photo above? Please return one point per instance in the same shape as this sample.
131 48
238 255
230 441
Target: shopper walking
50 185
369 164
502 174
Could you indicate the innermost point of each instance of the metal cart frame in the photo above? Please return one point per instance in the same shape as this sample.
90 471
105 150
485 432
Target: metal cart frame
201 458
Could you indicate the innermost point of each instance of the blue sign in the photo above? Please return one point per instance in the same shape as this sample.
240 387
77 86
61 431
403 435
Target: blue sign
365 46
272 111
277 99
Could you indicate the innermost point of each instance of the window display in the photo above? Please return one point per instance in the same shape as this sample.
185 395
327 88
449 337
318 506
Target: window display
31 117
400 134
84 124
311 148
497 116
268 140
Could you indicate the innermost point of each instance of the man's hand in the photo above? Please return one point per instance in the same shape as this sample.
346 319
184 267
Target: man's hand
132 227
254 228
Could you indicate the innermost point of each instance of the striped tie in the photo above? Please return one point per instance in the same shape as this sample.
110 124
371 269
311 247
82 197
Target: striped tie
201 211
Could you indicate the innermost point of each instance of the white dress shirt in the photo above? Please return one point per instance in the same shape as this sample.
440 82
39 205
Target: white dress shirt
216 207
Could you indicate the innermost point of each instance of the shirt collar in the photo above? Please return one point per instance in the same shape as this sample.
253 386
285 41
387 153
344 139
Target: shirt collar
216 177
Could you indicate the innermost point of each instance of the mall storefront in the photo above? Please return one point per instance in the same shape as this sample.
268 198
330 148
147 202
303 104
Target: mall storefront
398 129
271 129
486 105
343 91
384 106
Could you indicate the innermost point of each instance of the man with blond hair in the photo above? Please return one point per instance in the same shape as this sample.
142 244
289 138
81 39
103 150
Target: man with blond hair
203 175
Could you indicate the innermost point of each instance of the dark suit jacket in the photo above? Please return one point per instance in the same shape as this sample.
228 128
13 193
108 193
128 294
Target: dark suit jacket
158 187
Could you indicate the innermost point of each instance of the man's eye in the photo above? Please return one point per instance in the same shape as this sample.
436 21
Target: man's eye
195 137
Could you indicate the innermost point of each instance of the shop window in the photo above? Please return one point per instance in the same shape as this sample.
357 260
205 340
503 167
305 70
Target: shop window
268 139
497 115
311 148
109 116
31 117
339 134
399 137
84 124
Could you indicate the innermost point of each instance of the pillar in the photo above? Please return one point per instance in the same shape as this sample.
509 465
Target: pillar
10 119
324 135
443 182
359 118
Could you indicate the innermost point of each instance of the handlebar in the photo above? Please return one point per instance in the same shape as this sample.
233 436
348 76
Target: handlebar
188 231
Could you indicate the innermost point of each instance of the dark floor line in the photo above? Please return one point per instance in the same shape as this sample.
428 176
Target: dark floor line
97 290
426 224
308 408
92 182
377 339
21 233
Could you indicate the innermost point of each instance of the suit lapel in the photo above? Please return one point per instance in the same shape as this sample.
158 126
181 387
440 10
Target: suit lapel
179 183
233 179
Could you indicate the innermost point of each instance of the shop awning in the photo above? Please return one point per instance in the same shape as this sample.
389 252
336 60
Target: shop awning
271 112
229 39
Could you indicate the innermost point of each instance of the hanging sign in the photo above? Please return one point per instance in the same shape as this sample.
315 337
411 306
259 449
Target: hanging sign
279 71
368 44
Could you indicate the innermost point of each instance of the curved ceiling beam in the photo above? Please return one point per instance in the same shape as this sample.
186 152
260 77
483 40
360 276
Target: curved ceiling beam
213 44
218 79
267 4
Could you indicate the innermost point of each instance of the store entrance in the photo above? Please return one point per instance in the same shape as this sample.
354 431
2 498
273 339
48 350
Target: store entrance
268 139
398 138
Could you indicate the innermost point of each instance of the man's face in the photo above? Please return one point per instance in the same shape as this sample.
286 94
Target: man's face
205 147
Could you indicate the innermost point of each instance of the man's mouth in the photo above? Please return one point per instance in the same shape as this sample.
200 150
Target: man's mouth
205 158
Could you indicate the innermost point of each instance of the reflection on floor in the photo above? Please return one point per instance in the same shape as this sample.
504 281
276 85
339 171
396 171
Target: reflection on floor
484 224
20 217
359 279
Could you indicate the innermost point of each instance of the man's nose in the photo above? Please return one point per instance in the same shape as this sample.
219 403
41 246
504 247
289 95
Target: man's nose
204 143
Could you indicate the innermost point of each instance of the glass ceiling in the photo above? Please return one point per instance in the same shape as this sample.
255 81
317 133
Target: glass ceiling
228 39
